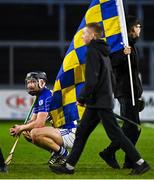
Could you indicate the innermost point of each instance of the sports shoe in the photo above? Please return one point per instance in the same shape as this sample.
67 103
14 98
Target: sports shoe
61 169
109 159
58 159
140 169
128 165
62 160
3 169
54 158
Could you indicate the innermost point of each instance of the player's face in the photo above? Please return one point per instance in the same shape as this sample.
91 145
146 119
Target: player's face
32 85
88 35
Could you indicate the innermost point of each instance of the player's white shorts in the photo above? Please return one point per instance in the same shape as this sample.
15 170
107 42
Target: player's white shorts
68 136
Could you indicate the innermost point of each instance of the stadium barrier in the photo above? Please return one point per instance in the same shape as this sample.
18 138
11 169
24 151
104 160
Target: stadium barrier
148 113
15 105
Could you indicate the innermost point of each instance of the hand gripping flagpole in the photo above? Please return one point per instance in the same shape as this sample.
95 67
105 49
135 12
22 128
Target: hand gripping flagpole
125 41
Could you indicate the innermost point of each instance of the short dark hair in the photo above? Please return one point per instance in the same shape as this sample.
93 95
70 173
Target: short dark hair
131 21
98 29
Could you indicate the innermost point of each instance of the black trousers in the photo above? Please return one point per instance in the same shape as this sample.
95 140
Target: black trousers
131 131
1 159
89 121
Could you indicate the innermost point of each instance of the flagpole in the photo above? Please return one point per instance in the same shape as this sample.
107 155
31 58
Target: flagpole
125 40
131 80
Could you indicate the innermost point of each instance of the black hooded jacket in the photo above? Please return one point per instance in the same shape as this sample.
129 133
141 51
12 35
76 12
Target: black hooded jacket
119 63
97 92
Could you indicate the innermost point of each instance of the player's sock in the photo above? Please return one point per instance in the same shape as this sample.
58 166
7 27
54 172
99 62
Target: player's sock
62 151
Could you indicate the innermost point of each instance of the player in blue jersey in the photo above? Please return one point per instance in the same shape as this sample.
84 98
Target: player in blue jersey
55 140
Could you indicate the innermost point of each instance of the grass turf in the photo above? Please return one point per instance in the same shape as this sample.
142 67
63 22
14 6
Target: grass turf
30 162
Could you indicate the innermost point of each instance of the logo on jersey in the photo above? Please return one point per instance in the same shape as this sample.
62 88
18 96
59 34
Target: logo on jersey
41 102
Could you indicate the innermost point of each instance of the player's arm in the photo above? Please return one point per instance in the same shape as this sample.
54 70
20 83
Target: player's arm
33 118
39 121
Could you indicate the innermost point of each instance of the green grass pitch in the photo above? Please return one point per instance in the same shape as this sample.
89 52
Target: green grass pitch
30 162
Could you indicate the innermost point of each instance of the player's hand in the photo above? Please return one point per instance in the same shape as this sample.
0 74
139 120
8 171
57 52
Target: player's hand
12 132
79 104
15 130
127 50
26 134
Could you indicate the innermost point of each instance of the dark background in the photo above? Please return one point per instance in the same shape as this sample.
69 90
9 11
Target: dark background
39 22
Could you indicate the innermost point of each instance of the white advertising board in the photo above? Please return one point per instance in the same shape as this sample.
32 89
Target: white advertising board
14 104
148 113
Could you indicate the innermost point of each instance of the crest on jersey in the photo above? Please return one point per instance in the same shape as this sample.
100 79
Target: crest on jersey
41 102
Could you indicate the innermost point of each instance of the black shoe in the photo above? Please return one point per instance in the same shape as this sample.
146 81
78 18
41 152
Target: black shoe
140 169
54 158
109 159
3 169
128 165
58 159
62 160
61 169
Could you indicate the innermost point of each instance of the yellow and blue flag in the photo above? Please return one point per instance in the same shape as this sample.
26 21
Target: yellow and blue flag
70 78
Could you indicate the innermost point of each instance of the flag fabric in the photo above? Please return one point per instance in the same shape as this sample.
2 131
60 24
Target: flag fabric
70 78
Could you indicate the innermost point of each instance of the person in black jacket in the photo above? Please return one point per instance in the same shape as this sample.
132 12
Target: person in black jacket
122 91
97 97
2 163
